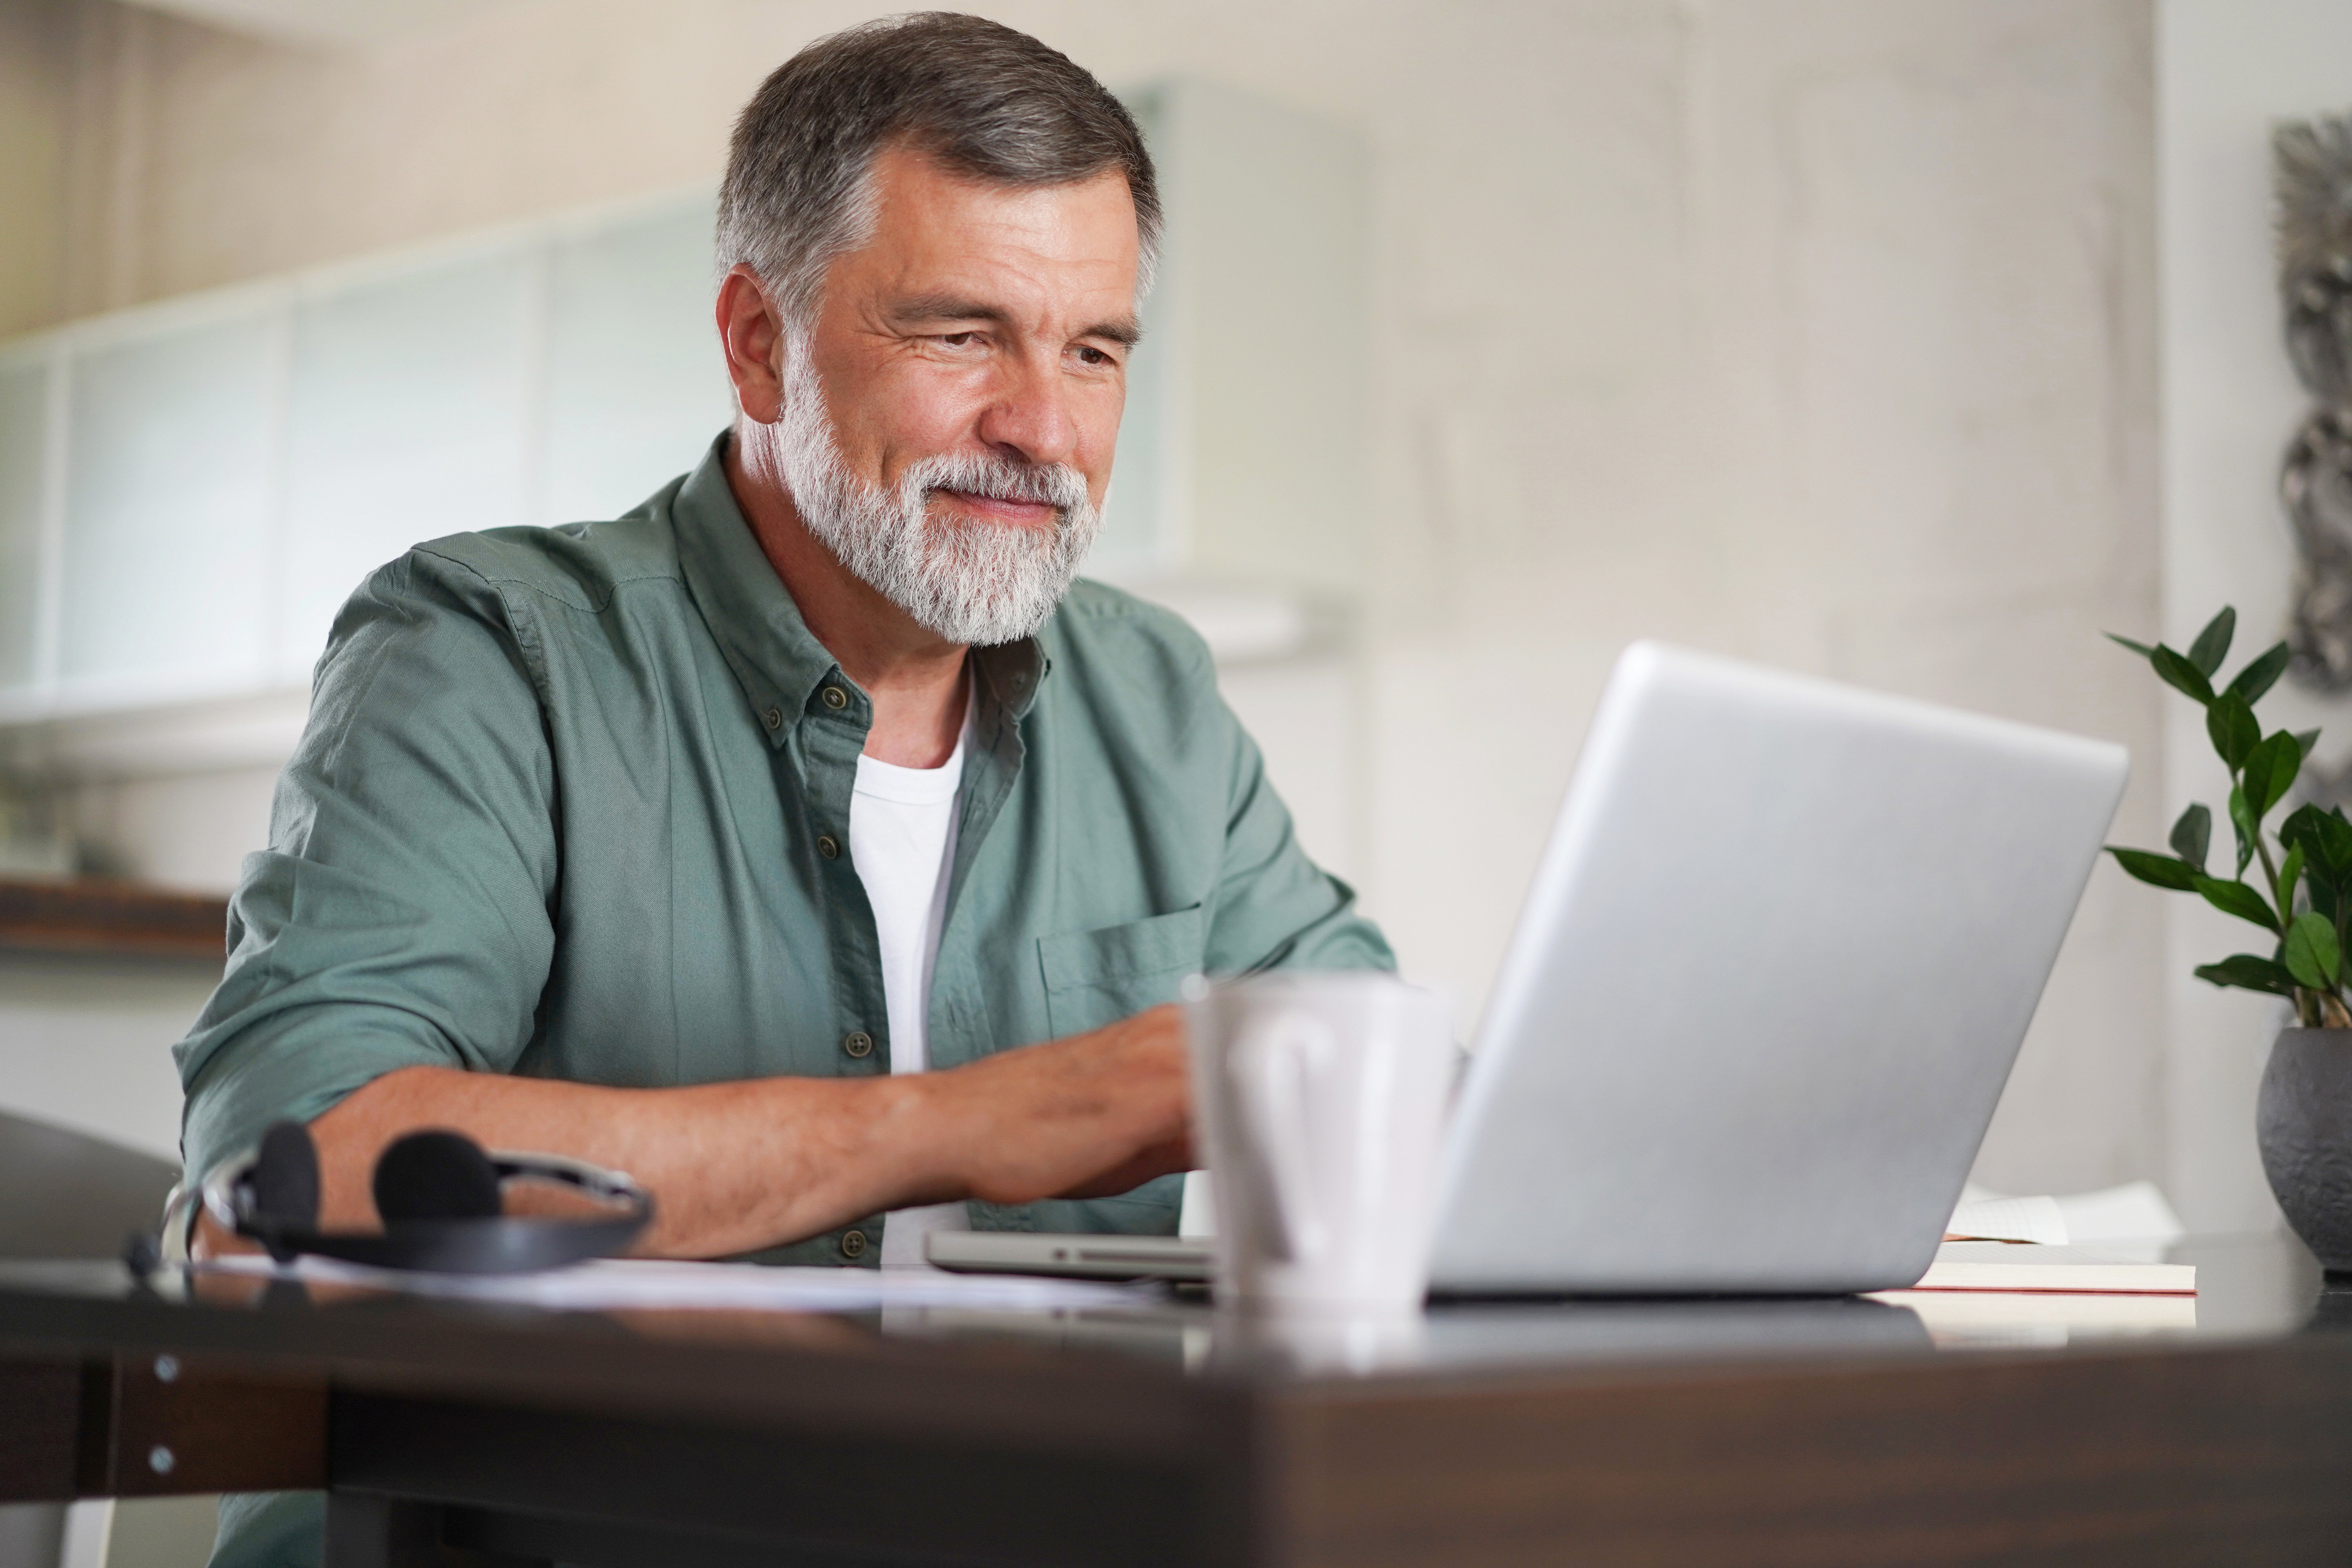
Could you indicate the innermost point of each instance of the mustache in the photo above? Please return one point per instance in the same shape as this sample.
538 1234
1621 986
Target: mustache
994 478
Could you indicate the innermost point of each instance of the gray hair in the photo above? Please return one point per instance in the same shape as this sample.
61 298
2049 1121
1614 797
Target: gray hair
982 98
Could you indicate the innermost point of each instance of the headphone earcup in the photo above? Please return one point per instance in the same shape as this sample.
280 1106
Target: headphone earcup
284 1181
435 1175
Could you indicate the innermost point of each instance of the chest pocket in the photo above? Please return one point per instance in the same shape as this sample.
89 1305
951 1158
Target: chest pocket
1097 977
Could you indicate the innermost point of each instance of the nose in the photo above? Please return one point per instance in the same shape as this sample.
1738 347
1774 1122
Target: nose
1029 418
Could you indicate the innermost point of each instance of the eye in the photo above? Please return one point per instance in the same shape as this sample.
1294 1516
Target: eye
957 340
1089 355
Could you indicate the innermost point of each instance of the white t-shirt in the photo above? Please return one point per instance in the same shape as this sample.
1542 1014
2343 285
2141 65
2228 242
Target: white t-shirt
902 842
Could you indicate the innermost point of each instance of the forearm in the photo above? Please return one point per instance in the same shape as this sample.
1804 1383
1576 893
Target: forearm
734 1167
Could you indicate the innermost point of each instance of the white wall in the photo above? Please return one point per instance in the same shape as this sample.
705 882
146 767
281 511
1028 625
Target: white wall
86 1044
1819 330
2227 69
1824 338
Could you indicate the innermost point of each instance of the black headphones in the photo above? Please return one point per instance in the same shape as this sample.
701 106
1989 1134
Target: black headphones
440 1196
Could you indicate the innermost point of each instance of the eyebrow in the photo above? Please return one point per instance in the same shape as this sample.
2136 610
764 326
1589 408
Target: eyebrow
1125 331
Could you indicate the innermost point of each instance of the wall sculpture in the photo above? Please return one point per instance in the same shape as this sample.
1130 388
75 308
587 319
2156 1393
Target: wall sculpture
2312 168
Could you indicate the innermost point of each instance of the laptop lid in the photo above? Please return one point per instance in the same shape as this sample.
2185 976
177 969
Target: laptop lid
1775 965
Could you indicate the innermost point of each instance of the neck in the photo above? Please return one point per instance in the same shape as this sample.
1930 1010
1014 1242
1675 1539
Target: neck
914 676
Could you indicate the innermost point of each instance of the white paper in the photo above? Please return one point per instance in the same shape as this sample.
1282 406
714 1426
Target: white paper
2010 1219
608 1283
2134 1212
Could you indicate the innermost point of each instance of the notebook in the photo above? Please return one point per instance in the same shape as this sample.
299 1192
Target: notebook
2073 1270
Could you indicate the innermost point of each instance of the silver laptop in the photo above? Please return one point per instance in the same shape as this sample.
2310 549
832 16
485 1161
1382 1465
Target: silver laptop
1777 961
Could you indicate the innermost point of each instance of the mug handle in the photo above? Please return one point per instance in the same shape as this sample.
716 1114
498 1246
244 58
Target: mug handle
1272 1064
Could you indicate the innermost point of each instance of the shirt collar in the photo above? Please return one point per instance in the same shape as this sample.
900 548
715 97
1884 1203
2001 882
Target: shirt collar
779 662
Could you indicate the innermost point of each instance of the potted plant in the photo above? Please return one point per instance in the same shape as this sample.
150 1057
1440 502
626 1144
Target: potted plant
2300 897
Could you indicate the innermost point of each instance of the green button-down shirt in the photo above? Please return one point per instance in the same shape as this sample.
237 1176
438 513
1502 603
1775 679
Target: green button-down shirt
574 803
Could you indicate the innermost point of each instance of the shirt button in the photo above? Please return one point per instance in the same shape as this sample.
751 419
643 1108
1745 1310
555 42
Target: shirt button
858 1043
834 697
775 718
853 1244
828 846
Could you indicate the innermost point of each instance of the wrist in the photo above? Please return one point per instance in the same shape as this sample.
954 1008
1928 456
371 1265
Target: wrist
922 1141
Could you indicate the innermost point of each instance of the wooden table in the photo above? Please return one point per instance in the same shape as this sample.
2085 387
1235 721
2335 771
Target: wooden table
1811 1432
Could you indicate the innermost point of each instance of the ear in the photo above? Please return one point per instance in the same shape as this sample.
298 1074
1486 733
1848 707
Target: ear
752 332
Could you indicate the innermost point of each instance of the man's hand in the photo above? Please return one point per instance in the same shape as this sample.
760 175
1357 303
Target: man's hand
1082 1117
735 1167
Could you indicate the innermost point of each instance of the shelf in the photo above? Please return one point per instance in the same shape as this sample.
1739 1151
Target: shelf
252 730
130 920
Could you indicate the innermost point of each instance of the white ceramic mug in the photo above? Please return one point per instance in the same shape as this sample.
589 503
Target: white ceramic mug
1320 1097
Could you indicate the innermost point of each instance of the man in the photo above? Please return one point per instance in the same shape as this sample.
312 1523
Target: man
806 842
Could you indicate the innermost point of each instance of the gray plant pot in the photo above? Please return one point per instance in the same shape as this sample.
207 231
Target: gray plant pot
2303 1124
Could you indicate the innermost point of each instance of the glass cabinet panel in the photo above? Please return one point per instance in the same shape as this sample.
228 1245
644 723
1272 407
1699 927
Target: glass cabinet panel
409 416
636 381
167 501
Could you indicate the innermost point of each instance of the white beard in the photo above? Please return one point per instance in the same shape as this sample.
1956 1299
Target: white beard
975 583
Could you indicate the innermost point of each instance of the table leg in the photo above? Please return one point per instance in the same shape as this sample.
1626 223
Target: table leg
32 1533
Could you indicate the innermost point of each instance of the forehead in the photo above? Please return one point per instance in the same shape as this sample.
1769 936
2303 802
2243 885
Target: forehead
934 227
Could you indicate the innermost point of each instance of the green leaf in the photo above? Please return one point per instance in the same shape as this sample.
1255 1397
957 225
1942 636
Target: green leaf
2325 840
2192 836
2239 900
2270 772
2312 954
2262 675
2233 727
2289 870
2140 649
2241 823
2254 779
2306 738
2213 643
2180 675
2332 842
2249 973
2157 870
2326 837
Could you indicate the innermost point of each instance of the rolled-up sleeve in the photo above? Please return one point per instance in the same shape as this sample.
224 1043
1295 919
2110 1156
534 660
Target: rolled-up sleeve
400 916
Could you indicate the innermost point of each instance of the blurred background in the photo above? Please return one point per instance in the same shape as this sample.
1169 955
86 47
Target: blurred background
1911 342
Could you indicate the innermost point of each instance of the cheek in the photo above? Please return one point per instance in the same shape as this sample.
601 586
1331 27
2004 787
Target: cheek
1098 419
890 414
937 399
